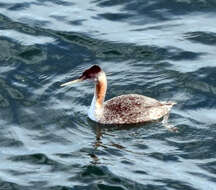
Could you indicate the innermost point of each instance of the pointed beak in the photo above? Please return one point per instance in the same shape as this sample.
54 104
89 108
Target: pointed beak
72 82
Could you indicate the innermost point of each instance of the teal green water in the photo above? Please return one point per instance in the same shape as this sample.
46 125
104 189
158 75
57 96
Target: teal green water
162 49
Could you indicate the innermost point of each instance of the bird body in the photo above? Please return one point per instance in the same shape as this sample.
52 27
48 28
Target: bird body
133 108
124 109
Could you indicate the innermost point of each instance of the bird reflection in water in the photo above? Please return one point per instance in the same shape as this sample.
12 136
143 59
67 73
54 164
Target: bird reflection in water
104 130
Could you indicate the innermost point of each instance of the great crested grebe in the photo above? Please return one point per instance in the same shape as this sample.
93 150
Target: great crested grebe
124 109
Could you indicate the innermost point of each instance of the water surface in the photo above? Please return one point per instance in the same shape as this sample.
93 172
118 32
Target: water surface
164 49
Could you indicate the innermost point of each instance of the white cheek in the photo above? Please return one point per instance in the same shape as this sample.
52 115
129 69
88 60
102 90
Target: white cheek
95 79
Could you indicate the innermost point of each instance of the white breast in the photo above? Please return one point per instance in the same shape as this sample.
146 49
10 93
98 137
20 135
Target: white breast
91 111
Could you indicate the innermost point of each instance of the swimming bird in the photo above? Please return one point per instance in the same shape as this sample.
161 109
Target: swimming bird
123 109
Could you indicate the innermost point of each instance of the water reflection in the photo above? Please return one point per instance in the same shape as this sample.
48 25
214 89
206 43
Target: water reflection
25 39
112 131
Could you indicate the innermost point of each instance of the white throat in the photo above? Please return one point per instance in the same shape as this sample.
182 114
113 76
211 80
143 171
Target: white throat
91 111
95 111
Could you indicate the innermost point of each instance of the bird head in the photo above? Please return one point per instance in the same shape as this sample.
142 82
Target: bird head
89 74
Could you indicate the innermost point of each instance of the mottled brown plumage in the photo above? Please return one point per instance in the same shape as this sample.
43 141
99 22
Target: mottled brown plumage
133 108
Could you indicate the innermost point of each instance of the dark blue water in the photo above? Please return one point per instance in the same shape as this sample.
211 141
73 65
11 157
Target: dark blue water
165 49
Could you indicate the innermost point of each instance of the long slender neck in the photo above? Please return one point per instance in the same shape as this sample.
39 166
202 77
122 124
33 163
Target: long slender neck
96 108
100 89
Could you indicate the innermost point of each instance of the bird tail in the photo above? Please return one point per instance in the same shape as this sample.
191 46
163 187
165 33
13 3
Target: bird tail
169 103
